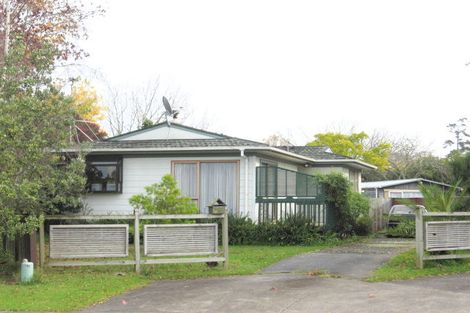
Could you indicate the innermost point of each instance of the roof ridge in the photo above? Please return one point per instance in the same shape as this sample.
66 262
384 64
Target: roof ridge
162 124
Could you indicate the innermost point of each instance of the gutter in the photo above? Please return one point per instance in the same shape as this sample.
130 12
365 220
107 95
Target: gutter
234 148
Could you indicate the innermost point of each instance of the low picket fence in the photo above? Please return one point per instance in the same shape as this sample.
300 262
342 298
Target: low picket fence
183 243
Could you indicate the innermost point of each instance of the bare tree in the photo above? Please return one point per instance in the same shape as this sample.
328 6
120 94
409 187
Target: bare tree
277 140
409 159
128 109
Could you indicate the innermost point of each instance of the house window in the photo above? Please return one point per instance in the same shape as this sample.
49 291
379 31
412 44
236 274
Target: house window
206 181
186 174
104 175
405 194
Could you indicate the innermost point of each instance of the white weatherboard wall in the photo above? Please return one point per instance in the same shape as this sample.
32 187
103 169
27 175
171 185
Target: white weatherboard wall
139 172
250 209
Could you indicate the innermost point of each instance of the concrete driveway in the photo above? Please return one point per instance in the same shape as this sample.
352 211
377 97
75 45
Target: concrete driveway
352 261
299 290
294 293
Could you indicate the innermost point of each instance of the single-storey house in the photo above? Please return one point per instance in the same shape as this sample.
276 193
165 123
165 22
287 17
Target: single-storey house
206 166
398 189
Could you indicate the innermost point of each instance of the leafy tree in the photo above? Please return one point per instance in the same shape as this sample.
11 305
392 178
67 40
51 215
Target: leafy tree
442 200
408 160
460 166
430 167
86 101
146 123
164 198
88 112
35 122
356 146
55 23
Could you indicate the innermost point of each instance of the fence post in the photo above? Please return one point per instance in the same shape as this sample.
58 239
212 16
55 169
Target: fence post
33 248
225 238
42 244
137 240
419 238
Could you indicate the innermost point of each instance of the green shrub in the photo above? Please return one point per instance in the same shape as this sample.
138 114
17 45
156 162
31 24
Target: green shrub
405 229
359 207
294 230
439 199
358 204
363 225
349 210
241 230
164 198
7 261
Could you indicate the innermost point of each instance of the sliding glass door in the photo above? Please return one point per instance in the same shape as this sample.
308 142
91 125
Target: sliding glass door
206 181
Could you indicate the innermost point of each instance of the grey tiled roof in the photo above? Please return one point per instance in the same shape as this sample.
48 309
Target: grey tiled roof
315 152
174 143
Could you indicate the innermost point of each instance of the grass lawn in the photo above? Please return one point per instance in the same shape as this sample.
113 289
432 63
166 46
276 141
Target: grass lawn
403 266
66 289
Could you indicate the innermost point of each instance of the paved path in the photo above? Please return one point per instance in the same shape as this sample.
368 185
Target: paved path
353 261
292 293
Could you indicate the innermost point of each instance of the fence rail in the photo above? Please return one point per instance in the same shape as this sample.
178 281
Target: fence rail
71 241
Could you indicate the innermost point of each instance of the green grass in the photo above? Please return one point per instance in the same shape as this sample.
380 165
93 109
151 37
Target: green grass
66 289
403 267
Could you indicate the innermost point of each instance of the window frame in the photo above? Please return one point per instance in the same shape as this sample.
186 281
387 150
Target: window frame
106 161
198 173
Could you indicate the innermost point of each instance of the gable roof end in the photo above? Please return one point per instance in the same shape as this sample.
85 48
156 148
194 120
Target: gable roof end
164 124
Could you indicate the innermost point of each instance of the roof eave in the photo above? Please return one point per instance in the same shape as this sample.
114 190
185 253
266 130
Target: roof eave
350 162
405 181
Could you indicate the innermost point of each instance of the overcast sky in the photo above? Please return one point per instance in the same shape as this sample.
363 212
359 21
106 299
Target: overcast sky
253 68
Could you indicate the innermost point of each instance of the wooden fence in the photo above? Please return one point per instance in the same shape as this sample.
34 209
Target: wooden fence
111 240
446 232
379 209
22 247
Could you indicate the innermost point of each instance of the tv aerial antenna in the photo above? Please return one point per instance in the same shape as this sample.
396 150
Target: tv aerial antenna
169 112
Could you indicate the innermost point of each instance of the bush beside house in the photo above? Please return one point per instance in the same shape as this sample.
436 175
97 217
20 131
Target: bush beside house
349 210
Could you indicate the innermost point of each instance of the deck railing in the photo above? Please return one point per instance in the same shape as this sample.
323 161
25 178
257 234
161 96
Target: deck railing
281 193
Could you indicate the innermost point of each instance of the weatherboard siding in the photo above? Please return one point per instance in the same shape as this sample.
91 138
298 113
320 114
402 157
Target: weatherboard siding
139 172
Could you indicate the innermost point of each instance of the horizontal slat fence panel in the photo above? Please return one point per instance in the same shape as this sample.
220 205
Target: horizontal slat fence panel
88 241
447 235
180 239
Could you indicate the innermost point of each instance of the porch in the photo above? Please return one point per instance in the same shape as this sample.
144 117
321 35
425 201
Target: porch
281 193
